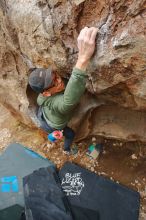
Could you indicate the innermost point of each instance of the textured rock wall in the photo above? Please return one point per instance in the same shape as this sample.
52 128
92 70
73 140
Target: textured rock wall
39 33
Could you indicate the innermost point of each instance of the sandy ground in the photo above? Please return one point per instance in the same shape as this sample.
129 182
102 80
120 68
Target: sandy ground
122 162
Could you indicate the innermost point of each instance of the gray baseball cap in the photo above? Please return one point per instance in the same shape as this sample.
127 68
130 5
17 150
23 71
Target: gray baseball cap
40 79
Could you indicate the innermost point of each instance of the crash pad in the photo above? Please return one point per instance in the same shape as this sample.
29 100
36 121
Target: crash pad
44 198
16 162
95 197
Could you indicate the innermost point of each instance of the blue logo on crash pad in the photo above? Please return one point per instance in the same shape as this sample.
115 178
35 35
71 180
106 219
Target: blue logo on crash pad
9 184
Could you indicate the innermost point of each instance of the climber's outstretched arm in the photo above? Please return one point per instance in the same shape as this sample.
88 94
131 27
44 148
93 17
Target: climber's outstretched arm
76 84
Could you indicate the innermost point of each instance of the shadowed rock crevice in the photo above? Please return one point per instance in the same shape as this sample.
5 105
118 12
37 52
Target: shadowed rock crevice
113 121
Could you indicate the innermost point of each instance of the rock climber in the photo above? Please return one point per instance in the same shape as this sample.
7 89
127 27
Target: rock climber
56 101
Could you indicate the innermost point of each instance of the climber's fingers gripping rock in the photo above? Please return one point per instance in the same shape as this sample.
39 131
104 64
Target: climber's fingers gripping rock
86 43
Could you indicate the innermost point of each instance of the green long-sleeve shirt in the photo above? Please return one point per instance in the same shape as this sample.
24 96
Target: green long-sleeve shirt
58 108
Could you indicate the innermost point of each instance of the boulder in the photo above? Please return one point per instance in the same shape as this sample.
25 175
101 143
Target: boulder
40 33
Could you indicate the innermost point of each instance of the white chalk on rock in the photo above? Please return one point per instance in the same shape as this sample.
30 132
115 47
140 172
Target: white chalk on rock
133 156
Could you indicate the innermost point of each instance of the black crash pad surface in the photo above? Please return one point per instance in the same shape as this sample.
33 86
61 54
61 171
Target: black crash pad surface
86 190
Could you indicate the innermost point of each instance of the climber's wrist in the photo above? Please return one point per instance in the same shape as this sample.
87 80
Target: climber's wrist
82 64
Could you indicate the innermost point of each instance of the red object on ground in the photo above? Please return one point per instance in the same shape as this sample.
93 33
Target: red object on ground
58 134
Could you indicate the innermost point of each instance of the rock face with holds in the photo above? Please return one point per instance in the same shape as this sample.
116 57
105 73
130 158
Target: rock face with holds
40 33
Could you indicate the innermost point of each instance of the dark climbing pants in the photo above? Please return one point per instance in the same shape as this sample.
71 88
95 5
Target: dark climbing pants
67 132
